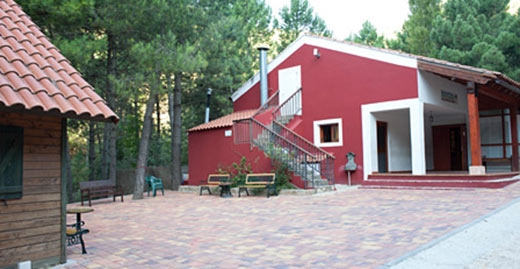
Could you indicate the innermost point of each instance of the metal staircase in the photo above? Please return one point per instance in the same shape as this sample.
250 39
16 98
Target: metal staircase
267 131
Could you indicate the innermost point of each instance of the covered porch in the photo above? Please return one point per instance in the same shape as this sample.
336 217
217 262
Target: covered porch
462 130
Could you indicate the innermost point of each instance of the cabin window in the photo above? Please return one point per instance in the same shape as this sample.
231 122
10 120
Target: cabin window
11 162
328 133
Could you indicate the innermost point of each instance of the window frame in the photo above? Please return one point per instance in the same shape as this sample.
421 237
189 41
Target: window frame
16 135
317 132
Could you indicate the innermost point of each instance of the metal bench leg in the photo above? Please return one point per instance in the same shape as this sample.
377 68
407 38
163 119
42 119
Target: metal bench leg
84 250
203 188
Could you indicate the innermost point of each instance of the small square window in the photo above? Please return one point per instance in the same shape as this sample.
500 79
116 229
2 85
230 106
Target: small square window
328 133
11 162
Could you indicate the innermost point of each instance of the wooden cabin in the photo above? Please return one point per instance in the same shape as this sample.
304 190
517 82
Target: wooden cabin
39 90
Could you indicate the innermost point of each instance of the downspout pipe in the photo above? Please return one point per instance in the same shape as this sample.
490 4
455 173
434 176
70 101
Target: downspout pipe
263 73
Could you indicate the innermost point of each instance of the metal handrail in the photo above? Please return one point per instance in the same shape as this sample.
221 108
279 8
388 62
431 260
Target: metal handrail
291 105
299 158
283 143
271 102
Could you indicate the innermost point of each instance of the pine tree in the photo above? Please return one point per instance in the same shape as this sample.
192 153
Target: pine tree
297 19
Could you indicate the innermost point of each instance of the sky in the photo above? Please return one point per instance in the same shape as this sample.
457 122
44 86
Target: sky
345 17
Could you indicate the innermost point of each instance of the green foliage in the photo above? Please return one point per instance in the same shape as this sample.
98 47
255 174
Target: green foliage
128 49
476 33
479 33
297 19
368 36
277 154
283 176
237 171
415 34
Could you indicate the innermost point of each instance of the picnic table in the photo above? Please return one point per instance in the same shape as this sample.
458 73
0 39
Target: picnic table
76 230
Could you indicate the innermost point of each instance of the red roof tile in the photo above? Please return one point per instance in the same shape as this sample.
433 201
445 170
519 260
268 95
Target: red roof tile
225 121
35 76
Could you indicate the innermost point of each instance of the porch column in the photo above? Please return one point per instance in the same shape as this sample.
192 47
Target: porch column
417 138
514 138
476 167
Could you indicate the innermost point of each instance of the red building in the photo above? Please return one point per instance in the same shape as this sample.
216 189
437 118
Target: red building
398 113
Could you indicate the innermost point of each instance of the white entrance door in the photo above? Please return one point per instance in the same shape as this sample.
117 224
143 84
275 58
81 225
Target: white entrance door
289 81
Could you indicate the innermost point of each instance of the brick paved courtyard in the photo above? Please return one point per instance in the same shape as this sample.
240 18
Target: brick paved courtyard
354 228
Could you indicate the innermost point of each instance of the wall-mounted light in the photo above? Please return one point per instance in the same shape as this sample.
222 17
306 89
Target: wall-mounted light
316 53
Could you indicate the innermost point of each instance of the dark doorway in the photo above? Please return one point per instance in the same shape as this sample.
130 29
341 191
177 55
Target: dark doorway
449 148
382 147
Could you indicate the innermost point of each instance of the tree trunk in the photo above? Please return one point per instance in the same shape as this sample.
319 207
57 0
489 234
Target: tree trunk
68 168
143 148
158 115
111 100
177 130
104 153
91 151
170 113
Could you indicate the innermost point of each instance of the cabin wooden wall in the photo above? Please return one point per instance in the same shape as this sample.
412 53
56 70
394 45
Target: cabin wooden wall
30 228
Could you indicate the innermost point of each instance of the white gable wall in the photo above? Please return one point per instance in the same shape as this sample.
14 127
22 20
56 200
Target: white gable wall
431 88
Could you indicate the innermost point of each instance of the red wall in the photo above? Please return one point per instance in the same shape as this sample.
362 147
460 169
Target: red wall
210 149
335 86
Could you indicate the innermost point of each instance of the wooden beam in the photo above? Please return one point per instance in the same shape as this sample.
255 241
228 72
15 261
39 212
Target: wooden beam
499 96
453 72
514 138
474 124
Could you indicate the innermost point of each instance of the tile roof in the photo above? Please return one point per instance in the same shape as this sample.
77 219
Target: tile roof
225 121
35 76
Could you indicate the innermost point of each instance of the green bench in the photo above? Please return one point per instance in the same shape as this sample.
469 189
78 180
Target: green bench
259 181
213 181
154 184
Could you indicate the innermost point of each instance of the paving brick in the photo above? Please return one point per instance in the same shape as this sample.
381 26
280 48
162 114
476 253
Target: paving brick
355 228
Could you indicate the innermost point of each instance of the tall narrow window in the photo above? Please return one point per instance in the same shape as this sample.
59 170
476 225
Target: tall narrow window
11 162
328 133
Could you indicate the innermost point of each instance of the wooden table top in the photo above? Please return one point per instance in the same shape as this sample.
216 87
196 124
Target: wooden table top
75 210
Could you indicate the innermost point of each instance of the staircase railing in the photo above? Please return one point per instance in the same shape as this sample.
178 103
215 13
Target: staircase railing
282 144
319 156
310 164
242 133
272 102
290 107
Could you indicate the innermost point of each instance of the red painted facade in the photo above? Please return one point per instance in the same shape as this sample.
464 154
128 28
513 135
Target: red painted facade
210 150
333 86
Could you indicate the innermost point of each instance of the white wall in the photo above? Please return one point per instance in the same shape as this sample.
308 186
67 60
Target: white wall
430 92
399 142
406 150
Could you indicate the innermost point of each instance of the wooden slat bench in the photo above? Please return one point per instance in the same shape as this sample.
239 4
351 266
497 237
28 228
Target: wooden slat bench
259 181
494 165
214 180
99 188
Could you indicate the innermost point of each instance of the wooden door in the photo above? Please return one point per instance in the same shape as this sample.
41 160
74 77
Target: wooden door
382 147
449 148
